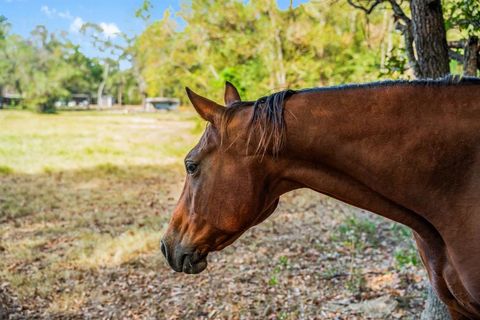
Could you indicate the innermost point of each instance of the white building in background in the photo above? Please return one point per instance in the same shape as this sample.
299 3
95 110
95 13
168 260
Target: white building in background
161 103
105 102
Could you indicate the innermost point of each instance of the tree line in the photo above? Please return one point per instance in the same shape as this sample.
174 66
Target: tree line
253 44
46 68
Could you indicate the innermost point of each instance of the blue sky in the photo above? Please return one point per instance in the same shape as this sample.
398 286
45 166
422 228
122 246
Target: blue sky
69 15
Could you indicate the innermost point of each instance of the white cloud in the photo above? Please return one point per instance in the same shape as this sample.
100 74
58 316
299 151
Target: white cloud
65 15
76 25
110 30
52 12
48 12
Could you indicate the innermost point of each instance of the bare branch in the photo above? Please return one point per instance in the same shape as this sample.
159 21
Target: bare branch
460 44
408 36
403 24
367 10
398 12
455 55
406 29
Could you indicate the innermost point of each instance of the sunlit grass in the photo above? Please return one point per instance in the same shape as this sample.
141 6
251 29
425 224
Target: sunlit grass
110 251
35 143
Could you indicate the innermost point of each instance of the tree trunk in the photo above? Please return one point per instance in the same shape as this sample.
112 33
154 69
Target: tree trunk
430 38
102 84
142 84
471 59
120 94
277 49
434 308
1 100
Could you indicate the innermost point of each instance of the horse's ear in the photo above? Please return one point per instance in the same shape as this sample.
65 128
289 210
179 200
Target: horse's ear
231 93
207 109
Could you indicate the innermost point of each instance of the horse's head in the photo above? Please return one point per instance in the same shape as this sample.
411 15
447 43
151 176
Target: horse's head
229 187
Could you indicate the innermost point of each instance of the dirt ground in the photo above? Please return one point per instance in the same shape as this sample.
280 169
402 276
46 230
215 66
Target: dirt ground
82 243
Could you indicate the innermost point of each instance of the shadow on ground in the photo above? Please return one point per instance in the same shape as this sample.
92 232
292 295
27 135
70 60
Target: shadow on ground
84 244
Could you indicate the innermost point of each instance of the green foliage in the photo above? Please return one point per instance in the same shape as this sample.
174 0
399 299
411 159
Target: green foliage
463 15
396 63
258 47
406 254
355 282
87 73
273 281
45 69
357 233
283 261
401 232
281 265
4 170
4 27
144 11
406 257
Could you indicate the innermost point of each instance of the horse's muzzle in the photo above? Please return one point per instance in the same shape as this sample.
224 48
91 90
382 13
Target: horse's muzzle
182 259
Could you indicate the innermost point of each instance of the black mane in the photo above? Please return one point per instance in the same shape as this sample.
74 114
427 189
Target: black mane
445 81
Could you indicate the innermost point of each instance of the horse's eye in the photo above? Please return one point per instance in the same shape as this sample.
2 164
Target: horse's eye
191 167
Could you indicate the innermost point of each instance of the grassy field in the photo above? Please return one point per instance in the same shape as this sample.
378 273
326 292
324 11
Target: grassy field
85 197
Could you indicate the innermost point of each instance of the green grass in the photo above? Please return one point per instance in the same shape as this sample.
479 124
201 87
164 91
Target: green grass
357 233
5 170
82 191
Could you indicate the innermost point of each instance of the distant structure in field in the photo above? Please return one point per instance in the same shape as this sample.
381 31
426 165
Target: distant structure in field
161 103
76 100
106 101
9 99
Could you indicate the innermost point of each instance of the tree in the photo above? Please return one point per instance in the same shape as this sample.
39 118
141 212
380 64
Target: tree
258 46
88 71
430 38
425 33
464 16
44 78
45 68
112 77
4 67
35 68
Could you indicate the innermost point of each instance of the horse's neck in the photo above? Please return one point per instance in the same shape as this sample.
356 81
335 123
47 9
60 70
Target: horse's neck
384 141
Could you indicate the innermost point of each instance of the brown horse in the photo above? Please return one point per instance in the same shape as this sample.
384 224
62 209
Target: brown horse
409 151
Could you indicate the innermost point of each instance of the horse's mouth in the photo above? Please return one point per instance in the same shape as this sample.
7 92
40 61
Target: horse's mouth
185 260
194 266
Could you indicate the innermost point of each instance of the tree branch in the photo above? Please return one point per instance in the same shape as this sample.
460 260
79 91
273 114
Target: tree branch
367 10
407 31
460 44
398 12
455 55
406 28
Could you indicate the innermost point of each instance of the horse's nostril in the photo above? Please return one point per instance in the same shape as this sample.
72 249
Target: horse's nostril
163 247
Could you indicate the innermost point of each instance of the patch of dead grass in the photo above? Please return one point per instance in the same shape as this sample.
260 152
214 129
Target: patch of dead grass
110 251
